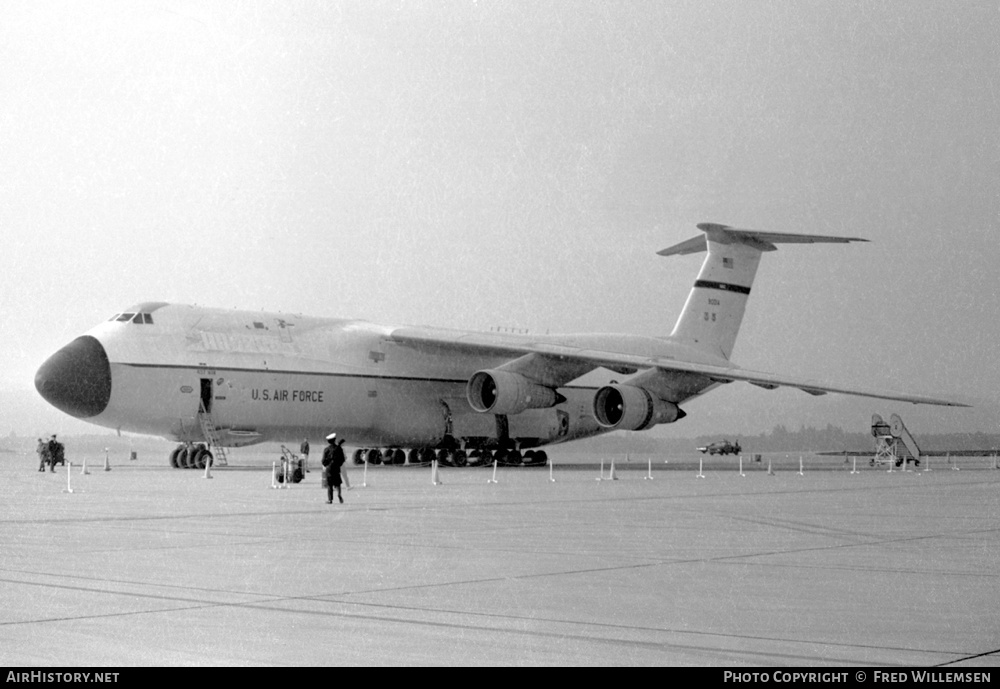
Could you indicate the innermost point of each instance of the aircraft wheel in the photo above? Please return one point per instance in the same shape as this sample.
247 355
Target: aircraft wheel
182 458
175 457
374 456
426 455
542 457
475 458
413 456
398 456
529 457
459 458
514 458
357 457
486 457
386 456
197 460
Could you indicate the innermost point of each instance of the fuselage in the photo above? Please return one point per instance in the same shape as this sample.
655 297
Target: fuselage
278 377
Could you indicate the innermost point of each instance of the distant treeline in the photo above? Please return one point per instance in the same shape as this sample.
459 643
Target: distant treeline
780 439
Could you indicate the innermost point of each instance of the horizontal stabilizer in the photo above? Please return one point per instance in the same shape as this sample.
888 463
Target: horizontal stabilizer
762 241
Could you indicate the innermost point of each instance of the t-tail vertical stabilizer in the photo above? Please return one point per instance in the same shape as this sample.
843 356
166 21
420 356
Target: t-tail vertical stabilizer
714 309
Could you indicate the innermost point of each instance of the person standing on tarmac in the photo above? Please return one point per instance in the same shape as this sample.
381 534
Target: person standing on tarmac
304 451
43 454
333 459
55 452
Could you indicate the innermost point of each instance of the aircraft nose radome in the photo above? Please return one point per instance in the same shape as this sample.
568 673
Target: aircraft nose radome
77 378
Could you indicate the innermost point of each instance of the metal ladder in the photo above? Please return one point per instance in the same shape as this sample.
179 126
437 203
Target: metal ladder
208 429
885 442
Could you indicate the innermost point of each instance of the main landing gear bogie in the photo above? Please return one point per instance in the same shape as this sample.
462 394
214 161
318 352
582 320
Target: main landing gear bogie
449 457
191 457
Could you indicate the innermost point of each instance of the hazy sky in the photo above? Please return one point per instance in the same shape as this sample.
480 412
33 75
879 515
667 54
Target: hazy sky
474 164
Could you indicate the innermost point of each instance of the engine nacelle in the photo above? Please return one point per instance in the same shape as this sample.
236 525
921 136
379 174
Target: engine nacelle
628 408
503 392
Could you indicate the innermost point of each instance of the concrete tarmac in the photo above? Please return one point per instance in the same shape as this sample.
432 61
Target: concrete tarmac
147 565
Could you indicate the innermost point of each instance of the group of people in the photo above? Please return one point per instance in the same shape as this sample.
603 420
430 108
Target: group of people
50 452
333 463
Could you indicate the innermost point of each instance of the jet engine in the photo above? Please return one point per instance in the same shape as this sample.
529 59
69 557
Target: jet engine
503 392
629 408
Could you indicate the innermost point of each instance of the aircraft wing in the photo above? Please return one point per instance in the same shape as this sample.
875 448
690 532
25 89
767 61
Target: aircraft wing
558 364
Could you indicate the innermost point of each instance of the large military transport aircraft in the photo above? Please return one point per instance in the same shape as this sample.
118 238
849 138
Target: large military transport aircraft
212 378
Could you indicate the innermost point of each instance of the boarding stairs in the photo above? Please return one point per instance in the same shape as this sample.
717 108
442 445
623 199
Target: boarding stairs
893 442
909 449
210 431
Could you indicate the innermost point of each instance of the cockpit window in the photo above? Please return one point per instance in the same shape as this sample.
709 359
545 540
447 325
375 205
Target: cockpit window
137 317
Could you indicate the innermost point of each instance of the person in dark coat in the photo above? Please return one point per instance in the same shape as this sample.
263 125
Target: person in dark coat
55 453
333 459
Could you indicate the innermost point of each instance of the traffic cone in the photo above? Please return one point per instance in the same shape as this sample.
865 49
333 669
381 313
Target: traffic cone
274 474
494 479
434 473
770 471
700 474
649 471
611 474
551 477
208 469
601 477
107 461
741 466
83 469
69 470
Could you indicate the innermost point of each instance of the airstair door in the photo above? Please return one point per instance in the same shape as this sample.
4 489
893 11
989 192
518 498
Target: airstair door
206 395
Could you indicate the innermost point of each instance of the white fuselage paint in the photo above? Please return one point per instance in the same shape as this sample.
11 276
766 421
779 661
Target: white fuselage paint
277 377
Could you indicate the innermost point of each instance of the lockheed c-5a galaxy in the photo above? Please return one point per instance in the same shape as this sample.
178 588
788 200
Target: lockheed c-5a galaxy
213 378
